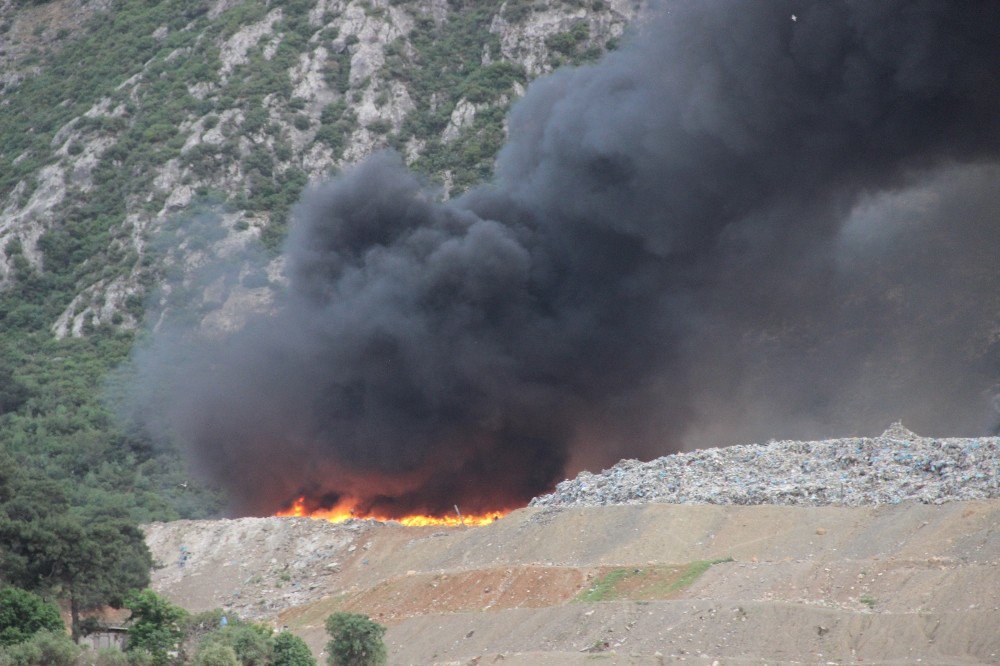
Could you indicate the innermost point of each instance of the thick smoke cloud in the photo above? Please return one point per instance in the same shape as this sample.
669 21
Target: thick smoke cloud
739 226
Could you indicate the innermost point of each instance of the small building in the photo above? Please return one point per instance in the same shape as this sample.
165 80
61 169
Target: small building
106 637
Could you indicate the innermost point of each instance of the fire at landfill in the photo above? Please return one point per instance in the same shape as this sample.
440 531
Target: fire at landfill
734 227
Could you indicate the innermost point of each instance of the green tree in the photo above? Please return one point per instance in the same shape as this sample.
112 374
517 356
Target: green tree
113 561
216 654
91 558
156 625
252 643
290 650
355 640
92 565
8 475
13 393
23 614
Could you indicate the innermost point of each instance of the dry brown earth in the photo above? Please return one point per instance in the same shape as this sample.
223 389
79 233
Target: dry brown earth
890 584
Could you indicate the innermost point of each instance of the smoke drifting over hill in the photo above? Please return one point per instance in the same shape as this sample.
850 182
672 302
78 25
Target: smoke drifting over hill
737 226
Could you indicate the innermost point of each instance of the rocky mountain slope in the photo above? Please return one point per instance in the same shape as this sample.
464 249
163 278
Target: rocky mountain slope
121 121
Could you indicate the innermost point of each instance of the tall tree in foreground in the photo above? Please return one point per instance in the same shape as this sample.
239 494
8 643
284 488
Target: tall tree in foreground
290 650
156 625
91 559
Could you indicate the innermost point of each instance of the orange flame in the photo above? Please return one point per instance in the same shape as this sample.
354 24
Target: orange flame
343 511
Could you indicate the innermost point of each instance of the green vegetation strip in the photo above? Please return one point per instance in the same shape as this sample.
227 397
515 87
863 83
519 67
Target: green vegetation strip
604 588
609 586
694 572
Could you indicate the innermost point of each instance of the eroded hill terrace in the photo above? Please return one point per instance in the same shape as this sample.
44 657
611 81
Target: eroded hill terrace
631 584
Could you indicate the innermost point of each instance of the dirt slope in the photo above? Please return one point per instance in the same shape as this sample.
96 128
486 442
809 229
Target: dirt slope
642 584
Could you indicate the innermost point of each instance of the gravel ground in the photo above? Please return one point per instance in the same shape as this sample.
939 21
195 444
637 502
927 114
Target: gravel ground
894 467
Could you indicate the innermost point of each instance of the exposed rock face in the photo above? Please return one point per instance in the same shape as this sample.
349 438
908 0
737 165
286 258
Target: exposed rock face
277 97
462 116
233 51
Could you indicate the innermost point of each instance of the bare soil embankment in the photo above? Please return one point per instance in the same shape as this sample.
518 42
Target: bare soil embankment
640 584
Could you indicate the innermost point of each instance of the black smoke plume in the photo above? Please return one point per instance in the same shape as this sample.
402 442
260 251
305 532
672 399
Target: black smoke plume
738 226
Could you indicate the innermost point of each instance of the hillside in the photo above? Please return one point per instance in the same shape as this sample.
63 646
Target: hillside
641 584
143 142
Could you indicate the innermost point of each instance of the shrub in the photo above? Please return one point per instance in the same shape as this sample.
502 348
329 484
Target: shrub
355 640
380 126
567 42
23 614
111 657
45 648
216 654
282 152
491 81
141 658
251 643
103 657
255 120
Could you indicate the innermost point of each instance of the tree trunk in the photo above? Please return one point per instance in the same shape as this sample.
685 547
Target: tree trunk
74 615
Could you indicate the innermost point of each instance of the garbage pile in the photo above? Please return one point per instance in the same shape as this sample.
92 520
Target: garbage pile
894 467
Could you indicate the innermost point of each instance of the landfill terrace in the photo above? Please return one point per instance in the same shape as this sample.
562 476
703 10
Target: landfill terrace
876 550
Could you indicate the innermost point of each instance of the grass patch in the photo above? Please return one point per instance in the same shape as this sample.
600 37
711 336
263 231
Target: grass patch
694 571
604 588
649 583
